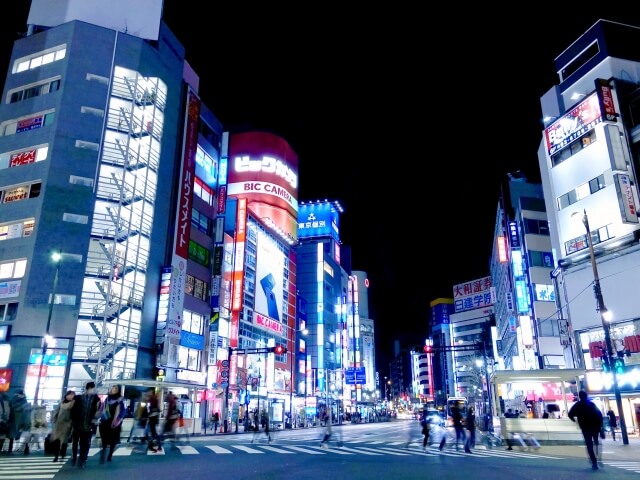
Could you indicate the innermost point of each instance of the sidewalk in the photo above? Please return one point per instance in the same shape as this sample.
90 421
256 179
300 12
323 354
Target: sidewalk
610 450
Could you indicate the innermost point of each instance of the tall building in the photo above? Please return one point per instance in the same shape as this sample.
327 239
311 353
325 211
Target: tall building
528 329
90 122
588 160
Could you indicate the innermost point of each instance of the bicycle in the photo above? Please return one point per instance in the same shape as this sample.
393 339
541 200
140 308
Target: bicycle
491 440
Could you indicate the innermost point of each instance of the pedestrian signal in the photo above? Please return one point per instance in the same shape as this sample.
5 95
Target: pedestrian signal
618 365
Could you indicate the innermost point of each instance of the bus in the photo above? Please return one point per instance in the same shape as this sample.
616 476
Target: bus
460 402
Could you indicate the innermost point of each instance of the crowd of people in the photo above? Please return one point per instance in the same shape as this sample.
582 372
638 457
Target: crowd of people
78 418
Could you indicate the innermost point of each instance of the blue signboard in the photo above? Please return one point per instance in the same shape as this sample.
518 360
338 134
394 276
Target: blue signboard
191 340
318 220
355 376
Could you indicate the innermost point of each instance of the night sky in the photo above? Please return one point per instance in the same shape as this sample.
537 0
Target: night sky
413 130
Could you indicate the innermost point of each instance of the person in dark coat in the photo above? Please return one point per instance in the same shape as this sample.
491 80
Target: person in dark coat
456 418
113 412
470 423
62 424
83 416
613 423
590 422
20 419
5 414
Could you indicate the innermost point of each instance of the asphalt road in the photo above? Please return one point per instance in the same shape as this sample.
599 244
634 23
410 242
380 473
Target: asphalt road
390 450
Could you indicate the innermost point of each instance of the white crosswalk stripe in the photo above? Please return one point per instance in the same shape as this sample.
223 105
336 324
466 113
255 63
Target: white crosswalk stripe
188 450
29 468
218 449
626 465
305 450
276 449
247 449
387 450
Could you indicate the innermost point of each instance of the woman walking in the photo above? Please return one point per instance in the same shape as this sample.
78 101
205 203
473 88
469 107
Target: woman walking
113 412
62 425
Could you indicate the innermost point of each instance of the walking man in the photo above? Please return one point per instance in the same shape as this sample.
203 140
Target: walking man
613 423
84 413
470 422
456 417
590 422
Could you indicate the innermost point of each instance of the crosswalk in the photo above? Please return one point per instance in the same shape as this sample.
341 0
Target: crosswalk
19 467
347 448
32 468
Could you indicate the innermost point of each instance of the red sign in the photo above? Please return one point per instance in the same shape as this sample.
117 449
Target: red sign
22 158
34 370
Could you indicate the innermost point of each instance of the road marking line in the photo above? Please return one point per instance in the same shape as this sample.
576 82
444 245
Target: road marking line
218 449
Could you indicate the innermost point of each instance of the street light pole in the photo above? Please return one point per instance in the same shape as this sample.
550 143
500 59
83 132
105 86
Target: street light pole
56 257
606 327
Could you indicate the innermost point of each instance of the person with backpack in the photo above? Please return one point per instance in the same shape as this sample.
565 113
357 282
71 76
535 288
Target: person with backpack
590 422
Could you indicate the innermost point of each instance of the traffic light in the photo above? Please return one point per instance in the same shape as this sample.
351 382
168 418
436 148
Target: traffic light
606 363
279 350
618 365
428 349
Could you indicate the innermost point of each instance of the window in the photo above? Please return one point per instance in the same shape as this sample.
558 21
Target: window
599 235
23 157
21 192
20 229
573 148
536 227
201 222
8 312
582 191
199 253
11 127
540 259
13 269
203 191
38 59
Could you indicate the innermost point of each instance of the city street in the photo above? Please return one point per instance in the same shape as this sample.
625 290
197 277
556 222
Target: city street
368 451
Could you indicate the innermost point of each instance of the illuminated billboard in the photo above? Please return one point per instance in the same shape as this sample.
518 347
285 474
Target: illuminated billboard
318 220
474 294
269 277
263 168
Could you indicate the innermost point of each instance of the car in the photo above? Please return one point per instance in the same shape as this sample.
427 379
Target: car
434 417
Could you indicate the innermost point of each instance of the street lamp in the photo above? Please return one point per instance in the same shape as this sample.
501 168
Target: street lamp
600 307
259 414
56 257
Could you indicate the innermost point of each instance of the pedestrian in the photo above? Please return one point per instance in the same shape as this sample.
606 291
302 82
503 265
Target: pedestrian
113 412
141 425
456 418
590 422
62 424
327 432
613 423
470 423
155 445
5 414
215 418
84 415
172 414
20 419
425 431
